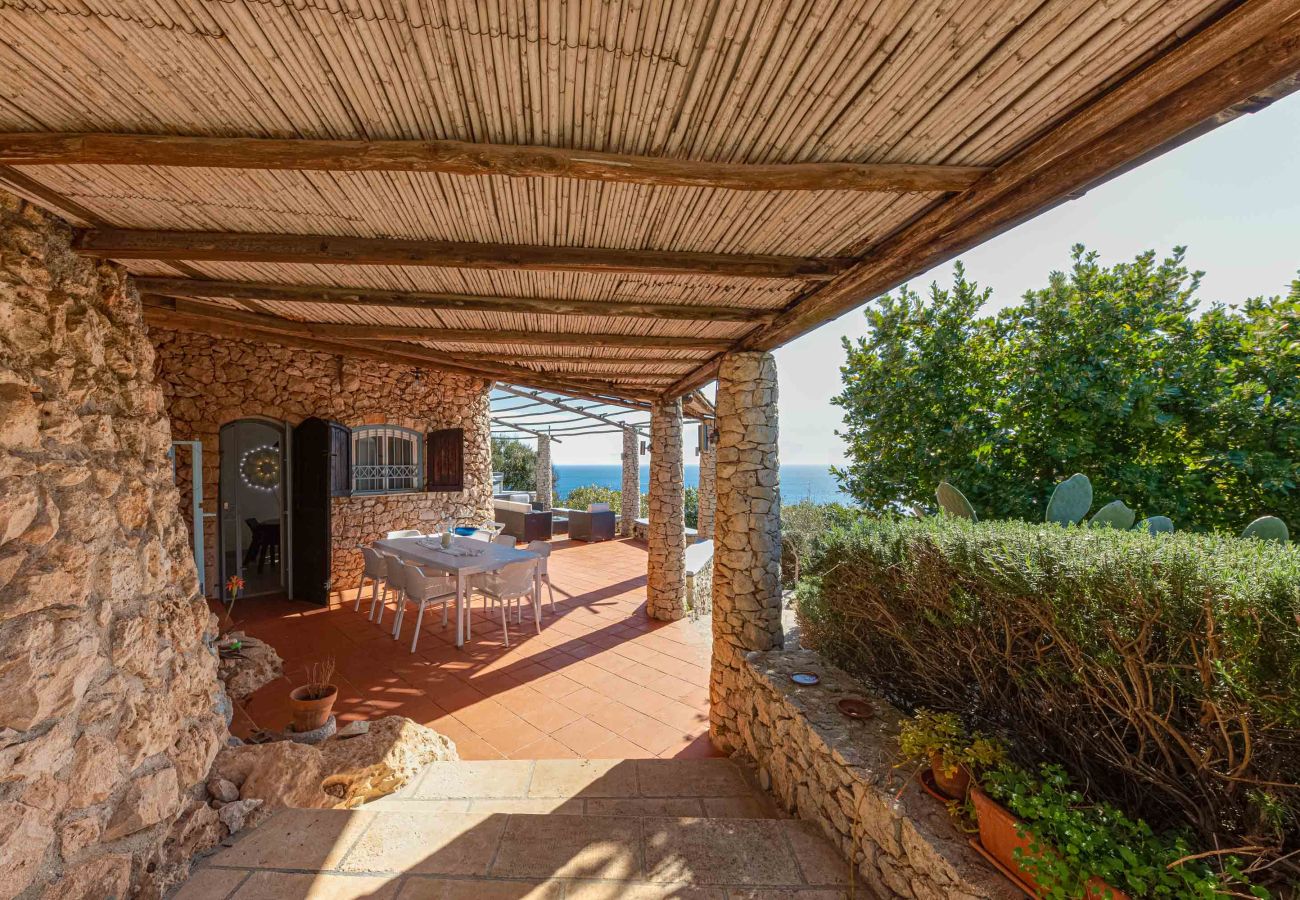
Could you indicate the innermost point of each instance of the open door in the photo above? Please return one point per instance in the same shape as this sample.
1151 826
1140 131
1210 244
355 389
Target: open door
321 469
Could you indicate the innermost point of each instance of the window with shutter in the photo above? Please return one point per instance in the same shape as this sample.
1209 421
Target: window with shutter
445 460
385 459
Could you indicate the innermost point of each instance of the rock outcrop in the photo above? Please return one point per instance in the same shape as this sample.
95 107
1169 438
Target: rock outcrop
255 664
339 773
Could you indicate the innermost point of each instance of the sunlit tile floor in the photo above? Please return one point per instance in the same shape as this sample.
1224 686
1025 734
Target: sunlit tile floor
600 681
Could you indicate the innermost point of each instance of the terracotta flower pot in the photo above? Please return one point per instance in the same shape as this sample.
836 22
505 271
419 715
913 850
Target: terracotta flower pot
310 714
953 783
1096 889
999 837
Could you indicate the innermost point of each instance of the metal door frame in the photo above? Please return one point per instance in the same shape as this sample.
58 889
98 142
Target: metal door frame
286 493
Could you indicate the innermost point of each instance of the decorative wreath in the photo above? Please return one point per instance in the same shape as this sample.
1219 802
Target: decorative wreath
259 468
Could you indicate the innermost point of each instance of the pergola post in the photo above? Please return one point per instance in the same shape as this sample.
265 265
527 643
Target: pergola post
545 488
631 481
666 581
747 535
708 490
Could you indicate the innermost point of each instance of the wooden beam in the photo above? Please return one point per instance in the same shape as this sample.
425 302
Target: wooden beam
1248 51
618 361
461 158
243 326
1245 53
359 296
525 430
319 249
368 333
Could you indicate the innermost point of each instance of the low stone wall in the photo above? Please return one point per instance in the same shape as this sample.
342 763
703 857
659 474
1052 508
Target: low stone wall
839 773
699 591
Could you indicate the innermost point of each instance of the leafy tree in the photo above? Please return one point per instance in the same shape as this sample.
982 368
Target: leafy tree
518 462
1106 371
692 502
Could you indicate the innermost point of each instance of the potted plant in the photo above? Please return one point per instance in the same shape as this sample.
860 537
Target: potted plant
938 741
311 703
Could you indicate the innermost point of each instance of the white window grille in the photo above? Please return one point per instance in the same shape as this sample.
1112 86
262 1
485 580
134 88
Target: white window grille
386 459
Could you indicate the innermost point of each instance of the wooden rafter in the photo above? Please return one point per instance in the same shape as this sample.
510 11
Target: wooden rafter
359 296
318 249
461 158
1246 52
349 332
243 326
513 427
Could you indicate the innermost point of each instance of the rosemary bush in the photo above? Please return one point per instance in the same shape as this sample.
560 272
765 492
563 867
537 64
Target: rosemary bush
1162 671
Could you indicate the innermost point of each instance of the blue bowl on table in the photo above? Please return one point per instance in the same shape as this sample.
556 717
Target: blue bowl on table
465 531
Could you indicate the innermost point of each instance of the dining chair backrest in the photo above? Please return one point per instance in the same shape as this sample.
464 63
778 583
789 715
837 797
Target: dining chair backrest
393 570
505 540
374 561
405 532
515 580
542 549
419 586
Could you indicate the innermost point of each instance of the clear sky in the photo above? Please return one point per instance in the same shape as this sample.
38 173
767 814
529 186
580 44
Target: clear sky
1232 197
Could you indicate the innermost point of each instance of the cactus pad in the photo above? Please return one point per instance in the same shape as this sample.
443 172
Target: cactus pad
1070 501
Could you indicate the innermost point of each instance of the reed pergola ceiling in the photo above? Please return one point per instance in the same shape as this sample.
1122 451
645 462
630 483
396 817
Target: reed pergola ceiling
596 199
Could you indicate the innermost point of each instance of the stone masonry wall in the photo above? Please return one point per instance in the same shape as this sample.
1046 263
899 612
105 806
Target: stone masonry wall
211 381
708 493
110 708
839 773
666 566
631 496
747 531
543 472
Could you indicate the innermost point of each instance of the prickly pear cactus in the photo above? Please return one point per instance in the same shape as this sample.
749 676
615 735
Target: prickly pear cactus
954 502
1267 528
1157 525
1070 501
1113 515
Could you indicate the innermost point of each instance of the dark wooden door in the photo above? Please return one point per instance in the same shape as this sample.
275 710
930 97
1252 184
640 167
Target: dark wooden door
444 460
312 468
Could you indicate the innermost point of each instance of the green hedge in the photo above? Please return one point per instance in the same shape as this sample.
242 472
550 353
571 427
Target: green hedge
1163 672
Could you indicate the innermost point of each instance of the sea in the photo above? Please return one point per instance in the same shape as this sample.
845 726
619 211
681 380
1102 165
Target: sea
797 482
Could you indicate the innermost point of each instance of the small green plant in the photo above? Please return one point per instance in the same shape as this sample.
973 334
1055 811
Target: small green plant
1072 842
930 735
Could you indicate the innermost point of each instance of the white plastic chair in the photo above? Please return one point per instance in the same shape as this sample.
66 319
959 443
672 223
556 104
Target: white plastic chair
422 589
376 570
511 583
405 532
543 551
492 529
505 540
393 579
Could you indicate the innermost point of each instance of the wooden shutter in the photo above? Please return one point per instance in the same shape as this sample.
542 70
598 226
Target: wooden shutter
340 460
444 460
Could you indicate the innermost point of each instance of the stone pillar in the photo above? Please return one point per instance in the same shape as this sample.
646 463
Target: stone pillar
747 533
545 490
631 480
708 490
666 582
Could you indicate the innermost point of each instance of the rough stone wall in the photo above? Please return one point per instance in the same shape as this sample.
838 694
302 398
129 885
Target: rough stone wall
110 709
666 567
708 493
211 381
631 480
699 591
839 773
747 531
545 489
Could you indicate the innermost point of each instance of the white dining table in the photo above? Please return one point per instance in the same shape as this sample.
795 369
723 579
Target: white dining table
489 557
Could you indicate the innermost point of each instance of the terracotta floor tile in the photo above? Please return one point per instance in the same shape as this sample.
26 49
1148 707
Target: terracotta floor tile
583 736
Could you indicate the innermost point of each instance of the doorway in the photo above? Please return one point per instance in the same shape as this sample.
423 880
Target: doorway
252 502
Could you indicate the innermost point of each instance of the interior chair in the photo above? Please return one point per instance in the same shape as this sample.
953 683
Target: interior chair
405 532
374 569
511 584
543 551
423 589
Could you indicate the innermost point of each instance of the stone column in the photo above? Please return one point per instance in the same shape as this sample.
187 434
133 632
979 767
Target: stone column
545 490
747 533
666 581
708 490
631 480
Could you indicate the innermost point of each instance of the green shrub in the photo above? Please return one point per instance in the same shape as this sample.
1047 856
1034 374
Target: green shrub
1162 670
802 525
582 497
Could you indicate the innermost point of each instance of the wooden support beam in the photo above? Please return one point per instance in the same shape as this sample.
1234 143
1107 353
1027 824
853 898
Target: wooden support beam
461 158
370 333
359 296
238 325
619 362
1251 49
525 430
319 249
